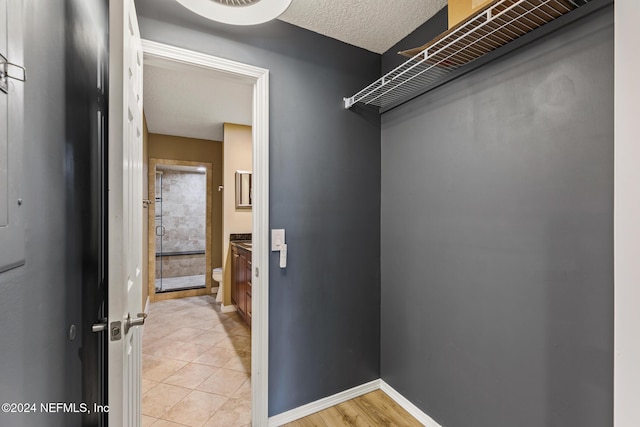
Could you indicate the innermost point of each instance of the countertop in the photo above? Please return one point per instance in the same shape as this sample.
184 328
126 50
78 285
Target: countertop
244 244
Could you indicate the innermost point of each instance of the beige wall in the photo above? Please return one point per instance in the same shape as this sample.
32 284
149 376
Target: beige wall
238 155
196 150
145 217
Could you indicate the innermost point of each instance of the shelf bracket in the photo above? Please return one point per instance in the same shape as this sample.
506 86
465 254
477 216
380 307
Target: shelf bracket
348 102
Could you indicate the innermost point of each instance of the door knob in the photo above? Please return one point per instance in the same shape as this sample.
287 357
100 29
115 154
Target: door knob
138 321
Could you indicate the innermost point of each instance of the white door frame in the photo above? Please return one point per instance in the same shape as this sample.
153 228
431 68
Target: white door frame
259 77
626 214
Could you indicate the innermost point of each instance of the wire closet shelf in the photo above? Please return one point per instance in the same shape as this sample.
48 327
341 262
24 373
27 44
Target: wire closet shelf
500 23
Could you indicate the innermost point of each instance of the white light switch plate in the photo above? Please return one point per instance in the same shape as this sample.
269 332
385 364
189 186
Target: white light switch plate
277 239
283 256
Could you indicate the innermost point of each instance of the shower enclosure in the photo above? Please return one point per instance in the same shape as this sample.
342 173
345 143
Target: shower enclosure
180 227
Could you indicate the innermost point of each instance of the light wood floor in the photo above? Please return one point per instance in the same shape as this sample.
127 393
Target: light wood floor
370 410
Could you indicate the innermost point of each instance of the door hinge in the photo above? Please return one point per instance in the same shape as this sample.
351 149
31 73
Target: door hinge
5 75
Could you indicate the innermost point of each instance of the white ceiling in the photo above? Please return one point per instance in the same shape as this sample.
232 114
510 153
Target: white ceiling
375 25
187 101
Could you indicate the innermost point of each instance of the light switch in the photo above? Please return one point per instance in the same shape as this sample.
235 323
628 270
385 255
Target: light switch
277 239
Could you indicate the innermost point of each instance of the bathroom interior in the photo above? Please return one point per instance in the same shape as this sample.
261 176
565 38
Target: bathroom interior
197 135
192 220
198 153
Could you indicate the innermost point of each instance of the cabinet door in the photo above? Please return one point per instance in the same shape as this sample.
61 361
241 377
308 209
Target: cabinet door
234 276
242 283
248 300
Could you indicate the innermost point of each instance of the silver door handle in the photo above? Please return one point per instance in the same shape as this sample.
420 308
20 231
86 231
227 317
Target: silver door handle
100 326
138 321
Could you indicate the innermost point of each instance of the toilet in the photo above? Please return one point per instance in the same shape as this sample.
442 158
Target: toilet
216 275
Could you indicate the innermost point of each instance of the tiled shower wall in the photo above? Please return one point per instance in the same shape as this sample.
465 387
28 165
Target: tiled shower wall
184 220
181 265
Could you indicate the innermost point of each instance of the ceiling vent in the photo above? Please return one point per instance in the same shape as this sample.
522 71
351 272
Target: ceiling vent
237 12
236 2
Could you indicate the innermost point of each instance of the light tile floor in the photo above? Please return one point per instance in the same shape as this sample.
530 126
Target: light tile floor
196 365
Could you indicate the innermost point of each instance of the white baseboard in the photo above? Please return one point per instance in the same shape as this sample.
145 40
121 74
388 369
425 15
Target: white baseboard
319 405
343 396
425 419
227 308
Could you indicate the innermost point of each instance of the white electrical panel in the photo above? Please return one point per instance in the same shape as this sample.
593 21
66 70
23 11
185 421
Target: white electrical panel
4 121
12 237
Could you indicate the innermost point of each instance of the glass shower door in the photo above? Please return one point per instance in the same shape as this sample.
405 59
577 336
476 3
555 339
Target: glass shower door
160 231
180 228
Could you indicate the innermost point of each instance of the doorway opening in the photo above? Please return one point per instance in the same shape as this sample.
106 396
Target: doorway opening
155 54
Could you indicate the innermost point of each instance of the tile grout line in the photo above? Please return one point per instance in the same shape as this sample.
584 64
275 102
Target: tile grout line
235 334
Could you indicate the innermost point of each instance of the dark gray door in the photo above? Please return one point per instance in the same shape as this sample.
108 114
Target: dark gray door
86 87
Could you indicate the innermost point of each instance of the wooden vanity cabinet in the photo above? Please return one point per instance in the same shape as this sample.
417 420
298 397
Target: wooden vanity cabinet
241 281
248 289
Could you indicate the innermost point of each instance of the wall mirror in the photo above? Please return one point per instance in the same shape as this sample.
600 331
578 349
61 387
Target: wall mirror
244 189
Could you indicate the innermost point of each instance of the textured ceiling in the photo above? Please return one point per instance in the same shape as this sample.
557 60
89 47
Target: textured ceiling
375 25
190 102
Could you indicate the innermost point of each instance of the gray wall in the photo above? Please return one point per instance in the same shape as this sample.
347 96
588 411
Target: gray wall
325 191
496 236
40 300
